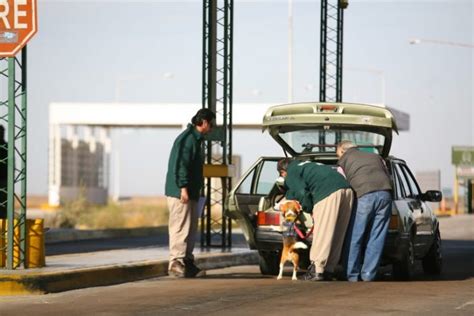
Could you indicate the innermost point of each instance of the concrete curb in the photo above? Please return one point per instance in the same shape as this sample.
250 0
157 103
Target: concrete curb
51 282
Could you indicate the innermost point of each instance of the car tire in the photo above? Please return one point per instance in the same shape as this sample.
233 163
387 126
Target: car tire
269 262
403 269
433 261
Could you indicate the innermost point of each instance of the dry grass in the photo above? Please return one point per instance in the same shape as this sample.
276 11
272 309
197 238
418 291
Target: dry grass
136 212
132 213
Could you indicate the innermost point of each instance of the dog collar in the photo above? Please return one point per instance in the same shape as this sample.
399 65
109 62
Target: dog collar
290 230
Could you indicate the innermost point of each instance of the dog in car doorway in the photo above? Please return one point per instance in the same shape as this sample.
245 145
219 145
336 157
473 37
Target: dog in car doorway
290 210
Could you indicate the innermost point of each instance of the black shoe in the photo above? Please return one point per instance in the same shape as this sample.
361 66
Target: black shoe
311 274
176 270
329 276
192 271
313 277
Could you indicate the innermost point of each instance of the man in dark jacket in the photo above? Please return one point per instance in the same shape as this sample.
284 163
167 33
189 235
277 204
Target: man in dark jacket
184 181
325 193
368 176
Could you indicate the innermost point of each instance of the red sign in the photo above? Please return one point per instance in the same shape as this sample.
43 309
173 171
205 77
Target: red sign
17 25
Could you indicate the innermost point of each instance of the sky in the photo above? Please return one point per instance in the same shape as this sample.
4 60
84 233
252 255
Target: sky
151 51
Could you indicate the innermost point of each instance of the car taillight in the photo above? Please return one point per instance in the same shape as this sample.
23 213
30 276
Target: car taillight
264 218
393 222
327 108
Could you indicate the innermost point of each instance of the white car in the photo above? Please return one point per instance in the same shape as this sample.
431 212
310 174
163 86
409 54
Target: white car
311 131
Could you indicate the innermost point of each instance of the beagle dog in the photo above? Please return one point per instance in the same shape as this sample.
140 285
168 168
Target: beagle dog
290 209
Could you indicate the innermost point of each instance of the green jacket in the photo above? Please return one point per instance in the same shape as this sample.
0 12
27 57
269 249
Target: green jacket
310 182
185 165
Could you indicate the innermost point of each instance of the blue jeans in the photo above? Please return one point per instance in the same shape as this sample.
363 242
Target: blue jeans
366 235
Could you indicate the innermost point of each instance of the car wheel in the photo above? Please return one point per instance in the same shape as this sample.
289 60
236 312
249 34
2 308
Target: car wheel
269 262
403 269
433 261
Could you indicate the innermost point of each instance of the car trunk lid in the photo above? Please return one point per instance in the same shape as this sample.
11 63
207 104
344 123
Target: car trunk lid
316 128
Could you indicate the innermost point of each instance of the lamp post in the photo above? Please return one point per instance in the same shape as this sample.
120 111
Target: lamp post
290 51
416 41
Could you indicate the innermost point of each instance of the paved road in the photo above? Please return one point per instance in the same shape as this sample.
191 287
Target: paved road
157 239
243 291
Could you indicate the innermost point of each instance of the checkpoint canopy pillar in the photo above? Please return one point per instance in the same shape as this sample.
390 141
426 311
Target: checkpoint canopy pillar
469 196
79 162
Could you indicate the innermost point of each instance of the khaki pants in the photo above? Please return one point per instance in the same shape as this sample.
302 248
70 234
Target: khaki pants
331 217
182 227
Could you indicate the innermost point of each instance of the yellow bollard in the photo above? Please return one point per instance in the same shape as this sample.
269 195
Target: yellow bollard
34 252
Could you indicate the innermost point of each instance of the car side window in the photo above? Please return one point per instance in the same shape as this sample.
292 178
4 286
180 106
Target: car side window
415 191
397 182
403 189
246 185
266 178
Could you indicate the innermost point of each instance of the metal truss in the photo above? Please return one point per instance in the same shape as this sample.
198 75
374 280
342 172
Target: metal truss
330 74
330 77
216 229
13 158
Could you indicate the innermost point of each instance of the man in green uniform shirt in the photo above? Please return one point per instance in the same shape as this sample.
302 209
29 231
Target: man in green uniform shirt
326 194
184 181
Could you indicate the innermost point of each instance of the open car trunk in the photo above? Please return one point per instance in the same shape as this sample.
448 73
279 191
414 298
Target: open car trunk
307 129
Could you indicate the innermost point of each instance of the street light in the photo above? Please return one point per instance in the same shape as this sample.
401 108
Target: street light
290 51
415 41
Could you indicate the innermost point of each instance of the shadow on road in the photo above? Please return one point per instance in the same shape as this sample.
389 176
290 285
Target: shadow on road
458 264
243 276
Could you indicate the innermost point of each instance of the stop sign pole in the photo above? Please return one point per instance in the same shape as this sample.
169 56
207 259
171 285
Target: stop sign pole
18 25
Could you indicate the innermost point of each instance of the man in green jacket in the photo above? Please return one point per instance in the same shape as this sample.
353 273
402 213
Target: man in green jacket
325 193
184 181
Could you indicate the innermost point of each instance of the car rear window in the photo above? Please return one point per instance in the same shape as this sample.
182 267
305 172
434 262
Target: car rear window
310 141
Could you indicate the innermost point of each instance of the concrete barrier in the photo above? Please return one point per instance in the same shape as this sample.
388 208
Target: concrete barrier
37 282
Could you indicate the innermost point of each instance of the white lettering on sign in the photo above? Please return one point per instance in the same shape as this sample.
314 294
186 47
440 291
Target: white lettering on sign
17 13
3 14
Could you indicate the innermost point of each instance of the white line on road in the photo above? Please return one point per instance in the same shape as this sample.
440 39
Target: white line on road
465 304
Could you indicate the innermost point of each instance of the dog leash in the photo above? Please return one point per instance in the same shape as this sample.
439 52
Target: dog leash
300 233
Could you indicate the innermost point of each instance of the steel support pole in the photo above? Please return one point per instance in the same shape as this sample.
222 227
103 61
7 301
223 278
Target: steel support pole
15 230
217 96
11 163
323 51
331 55
23 156
331 49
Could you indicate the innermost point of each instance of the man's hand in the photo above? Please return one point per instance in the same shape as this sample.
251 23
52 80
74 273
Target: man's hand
184 196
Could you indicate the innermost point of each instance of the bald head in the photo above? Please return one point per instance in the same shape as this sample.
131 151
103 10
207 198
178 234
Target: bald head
343 146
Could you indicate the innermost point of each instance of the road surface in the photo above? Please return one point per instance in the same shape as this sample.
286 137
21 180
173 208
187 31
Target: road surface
243 291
